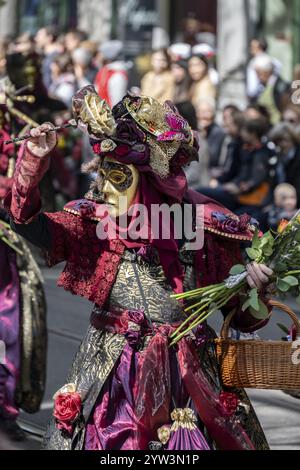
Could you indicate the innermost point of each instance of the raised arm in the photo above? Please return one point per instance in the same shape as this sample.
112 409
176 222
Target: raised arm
23 201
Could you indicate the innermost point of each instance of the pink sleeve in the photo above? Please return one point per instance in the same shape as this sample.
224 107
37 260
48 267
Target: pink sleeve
23 201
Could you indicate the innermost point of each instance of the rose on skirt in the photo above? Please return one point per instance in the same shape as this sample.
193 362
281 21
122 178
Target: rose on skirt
229 402
67 409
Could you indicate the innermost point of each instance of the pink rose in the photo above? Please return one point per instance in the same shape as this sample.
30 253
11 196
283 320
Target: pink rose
230 402
67 408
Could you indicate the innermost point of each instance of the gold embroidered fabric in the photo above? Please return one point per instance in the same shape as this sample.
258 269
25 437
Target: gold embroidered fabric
33 333
126 294
100 350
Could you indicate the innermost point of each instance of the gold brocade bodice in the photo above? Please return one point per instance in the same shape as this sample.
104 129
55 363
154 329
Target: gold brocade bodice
141 285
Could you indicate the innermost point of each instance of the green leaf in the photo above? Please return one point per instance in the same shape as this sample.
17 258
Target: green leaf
246 305
282 285
283 328
252 253
291 281
268 238
253 299
297 237
237 269
256 241
268 251
262 313
280 267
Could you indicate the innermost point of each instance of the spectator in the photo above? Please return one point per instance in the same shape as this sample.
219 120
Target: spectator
112 79
49 48
202 86
182 81
258 46
287 140
214 134
84 70
291 114
159 82
23 44
258 111
250 190
187 110
285 205
230 158
73 39
275 93
197 173
228 112
62 80
209 53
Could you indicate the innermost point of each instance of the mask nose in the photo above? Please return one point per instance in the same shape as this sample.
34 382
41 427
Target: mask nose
107 187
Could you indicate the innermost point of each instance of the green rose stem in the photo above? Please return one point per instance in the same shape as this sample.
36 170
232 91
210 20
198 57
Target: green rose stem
202 304
292 273
220 300
225 299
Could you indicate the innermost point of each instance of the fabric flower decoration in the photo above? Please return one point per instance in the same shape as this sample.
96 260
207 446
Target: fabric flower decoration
179 129
93 112
128 131
86 208
122 150
226 223
107 145
229 402
67 408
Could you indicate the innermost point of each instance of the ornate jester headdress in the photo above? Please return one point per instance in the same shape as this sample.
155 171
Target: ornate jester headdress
138 130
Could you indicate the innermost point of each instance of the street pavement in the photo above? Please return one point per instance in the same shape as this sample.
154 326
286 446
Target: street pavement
68 318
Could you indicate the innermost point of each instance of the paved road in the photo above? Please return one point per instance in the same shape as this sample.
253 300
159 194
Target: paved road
67 323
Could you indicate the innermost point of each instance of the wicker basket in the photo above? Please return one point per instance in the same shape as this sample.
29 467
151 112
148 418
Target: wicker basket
258 364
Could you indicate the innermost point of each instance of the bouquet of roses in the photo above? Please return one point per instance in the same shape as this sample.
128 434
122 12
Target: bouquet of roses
280 251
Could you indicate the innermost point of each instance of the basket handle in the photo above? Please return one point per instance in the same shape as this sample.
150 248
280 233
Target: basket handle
272 303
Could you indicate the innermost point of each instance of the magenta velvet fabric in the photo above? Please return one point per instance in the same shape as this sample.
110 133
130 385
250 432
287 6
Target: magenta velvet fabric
9 331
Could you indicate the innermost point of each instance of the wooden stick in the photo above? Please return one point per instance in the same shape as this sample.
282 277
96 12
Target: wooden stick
54 129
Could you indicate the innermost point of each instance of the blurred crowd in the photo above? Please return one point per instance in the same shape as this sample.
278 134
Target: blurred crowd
249 159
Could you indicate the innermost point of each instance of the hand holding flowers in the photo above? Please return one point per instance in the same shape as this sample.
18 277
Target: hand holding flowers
275 260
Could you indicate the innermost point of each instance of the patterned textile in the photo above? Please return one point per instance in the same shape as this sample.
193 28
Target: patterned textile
23 329
99 365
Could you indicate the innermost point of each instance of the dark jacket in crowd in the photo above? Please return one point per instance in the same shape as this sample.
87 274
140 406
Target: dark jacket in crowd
254 167
232 162
289 170
215 139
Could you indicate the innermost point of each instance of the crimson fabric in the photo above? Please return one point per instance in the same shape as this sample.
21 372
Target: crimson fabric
137 398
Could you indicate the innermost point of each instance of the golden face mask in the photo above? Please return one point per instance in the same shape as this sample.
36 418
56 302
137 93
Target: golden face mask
119 185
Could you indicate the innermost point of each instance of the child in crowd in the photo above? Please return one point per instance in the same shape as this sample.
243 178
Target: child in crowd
285 205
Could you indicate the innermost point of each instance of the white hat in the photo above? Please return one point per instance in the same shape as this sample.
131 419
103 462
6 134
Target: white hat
111 49
263 62
181 49
82 56
204 49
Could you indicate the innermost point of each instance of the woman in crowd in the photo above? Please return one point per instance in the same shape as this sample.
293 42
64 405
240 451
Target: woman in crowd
159 82
202 86
63 82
